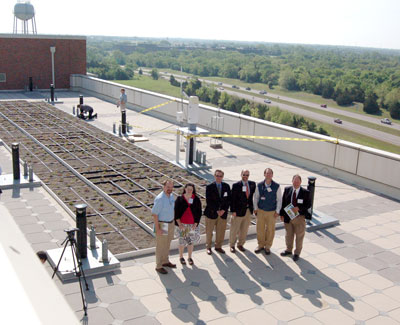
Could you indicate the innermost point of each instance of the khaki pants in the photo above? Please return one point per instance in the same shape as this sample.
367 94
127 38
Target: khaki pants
239 229
220 226
296 227
265 228
162 245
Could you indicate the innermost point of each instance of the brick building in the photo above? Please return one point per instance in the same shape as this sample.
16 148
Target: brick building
24 56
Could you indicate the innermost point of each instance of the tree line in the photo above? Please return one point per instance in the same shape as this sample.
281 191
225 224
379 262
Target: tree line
344 74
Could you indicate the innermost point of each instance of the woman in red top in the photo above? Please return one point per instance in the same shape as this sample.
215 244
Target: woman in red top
187 217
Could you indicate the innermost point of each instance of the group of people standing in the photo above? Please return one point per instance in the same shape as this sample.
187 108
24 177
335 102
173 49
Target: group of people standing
246 198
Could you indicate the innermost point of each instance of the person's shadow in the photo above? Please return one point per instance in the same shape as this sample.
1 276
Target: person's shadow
180 297
198 277
276 274
237 279
311 274
271 273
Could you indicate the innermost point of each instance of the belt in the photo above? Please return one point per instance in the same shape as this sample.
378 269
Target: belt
165 221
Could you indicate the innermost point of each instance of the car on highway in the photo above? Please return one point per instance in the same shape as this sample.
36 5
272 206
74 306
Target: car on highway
236 87
386 121
338 121
267 101
263 92
220 84
248 88
323 105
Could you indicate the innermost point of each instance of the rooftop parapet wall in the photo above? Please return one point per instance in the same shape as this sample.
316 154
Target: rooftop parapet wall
377 170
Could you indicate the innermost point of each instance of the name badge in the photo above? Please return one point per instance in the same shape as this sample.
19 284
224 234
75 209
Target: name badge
191 200
225 194
300 201
269 189
244 188
263 198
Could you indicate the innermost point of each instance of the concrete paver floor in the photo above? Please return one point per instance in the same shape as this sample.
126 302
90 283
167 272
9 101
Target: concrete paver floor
349 274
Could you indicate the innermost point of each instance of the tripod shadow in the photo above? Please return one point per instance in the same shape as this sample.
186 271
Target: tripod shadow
237 279
180 297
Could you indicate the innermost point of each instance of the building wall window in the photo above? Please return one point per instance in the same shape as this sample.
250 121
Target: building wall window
3 77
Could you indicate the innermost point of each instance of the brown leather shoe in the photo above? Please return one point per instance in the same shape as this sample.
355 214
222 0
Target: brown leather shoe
209 251
220 250
233 250
169 264
267 251
258 250
241 248
162 270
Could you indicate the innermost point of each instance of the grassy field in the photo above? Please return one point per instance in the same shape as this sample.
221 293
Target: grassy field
356 108
163 86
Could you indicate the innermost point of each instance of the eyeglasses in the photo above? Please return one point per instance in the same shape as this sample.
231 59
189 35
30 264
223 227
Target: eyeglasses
219 175
246 175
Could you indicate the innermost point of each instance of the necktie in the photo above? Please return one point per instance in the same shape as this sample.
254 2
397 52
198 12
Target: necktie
219 189
294 201
247 190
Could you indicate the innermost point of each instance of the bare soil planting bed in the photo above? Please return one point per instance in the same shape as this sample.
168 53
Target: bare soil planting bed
126 173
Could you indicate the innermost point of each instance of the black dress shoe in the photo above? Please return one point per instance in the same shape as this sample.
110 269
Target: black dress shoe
267 251
258 250
220 250
162 270
169 264
296 257
286 253
241 248
233 250
209 251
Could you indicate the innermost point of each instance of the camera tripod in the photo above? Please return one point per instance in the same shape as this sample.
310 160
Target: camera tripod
78 270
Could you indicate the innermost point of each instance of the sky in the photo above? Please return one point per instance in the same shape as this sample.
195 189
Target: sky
365 23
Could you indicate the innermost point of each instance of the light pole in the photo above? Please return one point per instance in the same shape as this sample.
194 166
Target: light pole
53 50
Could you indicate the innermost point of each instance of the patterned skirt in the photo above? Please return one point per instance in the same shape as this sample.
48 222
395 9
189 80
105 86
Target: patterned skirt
187 236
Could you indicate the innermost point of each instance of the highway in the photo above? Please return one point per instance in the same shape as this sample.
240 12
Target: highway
379 135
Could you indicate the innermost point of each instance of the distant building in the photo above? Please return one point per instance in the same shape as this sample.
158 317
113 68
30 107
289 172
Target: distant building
28 56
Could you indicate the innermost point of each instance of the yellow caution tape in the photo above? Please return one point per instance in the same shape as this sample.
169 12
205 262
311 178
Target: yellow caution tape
255 137
154 107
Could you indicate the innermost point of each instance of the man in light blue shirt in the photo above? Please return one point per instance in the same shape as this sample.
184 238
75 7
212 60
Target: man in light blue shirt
163 214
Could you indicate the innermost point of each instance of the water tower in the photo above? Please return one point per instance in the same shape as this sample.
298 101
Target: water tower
23 13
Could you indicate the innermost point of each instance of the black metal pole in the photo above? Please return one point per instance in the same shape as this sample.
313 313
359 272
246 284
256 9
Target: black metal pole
311 188
30 84
191 144
81 99
82 233
123 119
52 92
15 159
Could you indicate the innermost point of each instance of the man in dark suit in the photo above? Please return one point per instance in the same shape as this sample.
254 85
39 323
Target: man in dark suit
242 209
218 200
295 226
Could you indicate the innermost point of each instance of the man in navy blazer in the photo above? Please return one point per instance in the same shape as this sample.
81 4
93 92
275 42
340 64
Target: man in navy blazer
242 209
218 200
295 227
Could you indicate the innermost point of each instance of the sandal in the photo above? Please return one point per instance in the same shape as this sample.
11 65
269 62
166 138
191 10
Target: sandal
190 261
183 262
